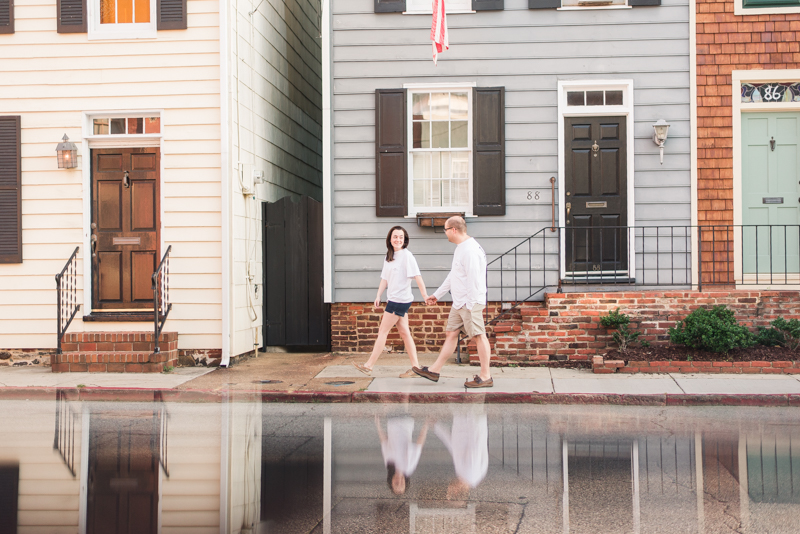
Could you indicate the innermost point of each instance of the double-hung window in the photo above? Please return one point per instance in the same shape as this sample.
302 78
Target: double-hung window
440 151
122 19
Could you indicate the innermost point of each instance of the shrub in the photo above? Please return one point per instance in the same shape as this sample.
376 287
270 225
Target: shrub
790 331
715 330
623 336
769 337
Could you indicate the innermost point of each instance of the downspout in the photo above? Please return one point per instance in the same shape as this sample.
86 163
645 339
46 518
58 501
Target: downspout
327 150
693 133
225 182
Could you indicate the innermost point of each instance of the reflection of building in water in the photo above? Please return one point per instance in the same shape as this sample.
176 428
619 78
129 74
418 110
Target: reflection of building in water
244 467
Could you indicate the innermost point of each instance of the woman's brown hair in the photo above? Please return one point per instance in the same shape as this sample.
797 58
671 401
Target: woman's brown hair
389 247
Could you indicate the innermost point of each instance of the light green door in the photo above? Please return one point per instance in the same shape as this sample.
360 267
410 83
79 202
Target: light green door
770 193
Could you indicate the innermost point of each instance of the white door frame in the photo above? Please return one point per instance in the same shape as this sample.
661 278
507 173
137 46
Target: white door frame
626 86
90 141
737 77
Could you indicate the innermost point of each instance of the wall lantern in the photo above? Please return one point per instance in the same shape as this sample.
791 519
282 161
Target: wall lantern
660 130
67 154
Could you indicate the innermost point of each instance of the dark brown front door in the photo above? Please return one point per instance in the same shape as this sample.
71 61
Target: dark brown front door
596 197
123 474
125 227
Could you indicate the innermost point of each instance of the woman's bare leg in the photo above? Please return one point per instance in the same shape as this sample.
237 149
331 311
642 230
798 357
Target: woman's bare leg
387 322
408 340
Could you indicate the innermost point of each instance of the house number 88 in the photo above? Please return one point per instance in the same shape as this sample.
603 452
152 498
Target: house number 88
533 195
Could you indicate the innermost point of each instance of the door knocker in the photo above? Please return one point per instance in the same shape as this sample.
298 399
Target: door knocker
595 148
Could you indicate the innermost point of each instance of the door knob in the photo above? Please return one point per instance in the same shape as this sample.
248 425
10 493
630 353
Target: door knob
569 207
94 245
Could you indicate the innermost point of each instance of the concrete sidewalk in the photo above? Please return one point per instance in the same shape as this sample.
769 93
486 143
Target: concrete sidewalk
321 377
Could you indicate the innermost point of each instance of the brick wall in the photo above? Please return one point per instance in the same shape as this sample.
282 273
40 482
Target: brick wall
727 42
566 326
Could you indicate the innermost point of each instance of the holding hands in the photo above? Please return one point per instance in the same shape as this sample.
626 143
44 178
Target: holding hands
430 301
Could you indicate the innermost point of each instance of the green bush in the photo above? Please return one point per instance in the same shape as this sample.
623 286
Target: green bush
623 336
769 337
790 331
715 330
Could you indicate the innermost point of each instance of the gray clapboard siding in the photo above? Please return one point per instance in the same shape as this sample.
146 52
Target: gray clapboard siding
527 52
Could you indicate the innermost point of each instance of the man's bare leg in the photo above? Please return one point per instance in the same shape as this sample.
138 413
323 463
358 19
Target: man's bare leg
484 355
450 342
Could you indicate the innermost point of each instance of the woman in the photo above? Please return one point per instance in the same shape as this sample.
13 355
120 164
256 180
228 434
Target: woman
400 452
399 268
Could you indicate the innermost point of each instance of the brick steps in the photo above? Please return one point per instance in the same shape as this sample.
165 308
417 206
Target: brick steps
116 352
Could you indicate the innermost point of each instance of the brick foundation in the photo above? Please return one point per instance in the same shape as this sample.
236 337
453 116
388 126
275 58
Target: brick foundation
566 326
116 352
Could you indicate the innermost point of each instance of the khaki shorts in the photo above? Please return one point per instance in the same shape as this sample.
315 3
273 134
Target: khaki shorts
468 321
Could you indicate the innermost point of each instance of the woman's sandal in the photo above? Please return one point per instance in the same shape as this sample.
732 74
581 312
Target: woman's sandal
363 368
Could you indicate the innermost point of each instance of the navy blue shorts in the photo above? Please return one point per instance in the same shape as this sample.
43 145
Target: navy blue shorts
397 308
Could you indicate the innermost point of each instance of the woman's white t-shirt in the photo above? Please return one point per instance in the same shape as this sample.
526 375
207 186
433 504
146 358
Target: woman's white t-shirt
398 273
399 447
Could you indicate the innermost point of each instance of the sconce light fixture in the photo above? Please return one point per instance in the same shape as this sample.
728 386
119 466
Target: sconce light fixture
67 154
660 130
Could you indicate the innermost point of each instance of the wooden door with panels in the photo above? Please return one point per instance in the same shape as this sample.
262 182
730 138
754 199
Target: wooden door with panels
596 200
125 227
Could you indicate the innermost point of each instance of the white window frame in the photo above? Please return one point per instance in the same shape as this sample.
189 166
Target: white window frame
739 9
588 8
136 30
425 7
424 88
626 109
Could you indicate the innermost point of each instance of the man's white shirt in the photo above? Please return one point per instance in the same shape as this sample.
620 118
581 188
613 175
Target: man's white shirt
466 281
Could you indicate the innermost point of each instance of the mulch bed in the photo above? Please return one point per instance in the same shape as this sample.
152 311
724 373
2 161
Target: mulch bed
681 353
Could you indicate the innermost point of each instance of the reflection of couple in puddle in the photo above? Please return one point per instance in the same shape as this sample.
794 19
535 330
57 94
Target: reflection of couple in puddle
466 439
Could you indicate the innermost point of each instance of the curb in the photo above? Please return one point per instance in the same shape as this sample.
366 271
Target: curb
366 397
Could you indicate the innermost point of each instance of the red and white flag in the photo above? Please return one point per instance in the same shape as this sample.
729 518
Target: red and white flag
439 38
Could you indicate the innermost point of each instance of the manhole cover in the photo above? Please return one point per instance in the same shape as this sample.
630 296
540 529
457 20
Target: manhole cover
268 381
340 383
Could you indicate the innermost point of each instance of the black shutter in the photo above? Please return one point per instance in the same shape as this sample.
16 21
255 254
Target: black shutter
9 497
10 185
71 16
489 162
391 176
543 4
171 14
487 5
644 2
390 6
6 16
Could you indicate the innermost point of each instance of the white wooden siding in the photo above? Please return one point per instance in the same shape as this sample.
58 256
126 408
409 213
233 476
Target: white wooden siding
277 77
50 79
527 52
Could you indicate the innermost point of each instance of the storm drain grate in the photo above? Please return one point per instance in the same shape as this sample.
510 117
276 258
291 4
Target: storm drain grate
340 383
268 381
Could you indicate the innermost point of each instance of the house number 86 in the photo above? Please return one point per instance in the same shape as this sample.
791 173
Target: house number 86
533 195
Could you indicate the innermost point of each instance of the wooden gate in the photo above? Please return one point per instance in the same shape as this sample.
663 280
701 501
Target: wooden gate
295 313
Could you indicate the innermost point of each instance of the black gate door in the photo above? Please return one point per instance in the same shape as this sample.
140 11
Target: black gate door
295 313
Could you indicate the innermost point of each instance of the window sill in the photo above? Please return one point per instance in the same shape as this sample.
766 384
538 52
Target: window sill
459 12
591 8
778 10
120 34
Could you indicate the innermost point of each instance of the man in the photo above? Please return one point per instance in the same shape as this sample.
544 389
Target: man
467 285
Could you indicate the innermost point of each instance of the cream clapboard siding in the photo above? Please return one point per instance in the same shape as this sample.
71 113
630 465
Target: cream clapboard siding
48 493
276 127
49 496
50 79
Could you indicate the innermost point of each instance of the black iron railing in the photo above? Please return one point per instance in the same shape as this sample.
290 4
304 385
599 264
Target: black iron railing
64 439
749 254
67 296
161 303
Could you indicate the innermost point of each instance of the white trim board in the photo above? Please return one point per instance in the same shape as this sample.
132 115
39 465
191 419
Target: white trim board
737 77
739 9
626 85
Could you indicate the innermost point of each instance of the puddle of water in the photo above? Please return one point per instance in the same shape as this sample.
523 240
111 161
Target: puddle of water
398 468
